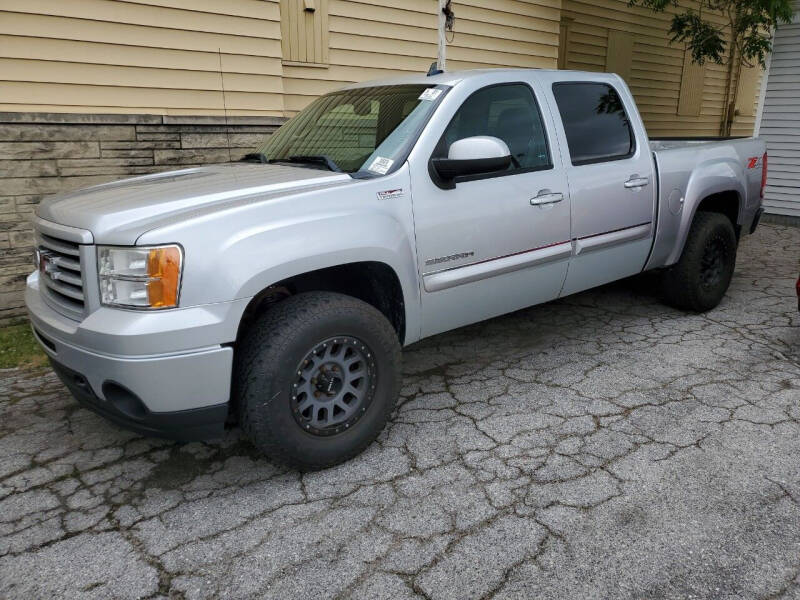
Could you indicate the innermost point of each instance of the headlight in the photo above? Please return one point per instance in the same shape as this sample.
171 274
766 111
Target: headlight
140 277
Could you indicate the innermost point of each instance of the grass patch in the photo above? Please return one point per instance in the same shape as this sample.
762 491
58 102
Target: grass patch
18 348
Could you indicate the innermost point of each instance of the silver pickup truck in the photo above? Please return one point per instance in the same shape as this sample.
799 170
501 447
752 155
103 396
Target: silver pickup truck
277 292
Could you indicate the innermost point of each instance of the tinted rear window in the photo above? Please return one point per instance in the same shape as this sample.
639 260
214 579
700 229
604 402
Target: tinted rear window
595 122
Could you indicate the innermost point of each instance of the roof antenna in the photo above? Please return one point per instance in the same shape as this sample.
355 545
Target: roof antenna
224 105
434 69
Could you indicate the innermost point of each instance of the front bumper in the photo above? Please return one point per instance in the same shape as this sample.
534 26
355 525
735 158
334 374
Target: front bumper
123 409
173 362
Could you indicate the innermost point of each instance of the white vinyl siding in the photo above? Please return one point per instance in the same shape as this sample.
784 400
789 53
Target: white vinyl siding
780 122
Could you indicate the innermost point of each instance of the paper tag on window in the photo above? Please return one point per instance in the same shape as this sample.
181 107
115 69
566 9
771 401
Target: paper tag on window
430 94
381 165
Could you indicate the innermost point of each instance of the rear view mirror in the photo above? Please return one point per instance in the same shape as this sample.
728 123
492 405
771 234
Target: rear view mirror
362 107
473 156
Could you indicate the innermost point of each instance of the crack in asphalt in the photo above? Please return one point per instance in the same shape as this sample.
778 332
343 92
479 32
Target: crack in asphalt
598 446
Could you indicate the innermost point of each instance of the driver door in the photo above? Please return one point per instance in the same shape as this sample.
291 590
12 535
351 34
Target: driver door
496 242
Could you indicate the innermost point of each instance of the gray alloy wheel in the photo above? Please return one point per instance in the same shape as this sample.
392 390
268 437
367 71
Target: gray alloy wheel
334 386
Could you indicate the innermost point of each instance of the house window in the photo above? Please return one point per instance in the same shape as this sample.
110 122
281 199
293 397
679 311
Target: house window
304 31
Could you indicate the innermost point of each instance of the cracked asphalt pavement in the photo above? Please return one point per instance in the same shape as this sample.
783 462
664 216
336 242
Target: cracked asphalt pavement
600 446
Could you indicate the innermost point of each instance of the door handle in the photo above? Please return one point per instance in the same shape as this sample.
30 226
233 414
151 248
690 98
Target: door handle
637 182
547 197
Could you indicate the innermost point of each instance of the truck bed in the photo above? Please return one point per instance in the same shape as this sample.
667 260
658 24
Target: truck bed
671 143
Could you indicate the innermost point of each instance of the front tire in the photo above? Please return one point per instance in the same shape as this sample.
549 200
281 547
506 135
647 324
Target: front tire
701 277
316 378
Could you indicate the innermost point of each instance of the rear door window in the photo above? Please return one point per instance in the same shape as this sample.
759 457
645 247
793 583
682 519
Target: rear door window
595 122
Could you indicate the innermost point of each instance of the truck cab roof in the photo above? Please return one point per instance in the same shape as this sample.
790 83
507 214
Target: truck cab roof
452 78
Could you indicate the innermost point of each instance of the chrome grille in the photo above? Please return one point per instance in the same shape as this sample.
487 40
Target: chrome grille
60 274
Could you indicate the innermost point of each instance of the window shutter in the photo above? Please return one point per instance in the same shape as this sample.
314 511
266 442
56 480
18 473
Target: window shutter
691 98
746 94
304 31
619 54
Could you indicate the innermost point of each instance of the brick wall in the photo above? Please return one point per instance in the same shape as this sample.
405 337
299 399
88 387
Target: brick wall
46 153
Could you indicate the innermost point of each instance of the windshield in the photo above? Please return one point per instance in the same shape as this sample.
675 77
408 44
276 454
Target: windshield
366 130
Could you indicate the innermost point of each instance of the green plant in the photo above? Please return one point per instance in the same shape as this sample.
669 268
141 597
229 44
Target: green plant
747 33
18 348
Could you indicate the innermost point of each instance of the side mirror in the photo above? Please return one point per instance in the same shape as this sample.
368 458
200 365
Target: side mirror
472 156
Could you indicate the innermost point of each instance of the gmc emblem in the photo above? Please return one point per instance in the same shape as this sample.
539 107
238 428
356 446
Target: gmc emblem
45 263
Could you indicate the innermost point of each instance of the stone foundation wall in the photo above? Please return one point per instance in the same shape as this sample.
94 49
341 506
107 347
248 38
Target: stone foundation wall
42 154
790 220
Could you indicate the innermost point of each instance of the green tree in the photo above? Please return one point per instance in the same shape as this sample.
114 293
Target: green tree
746 35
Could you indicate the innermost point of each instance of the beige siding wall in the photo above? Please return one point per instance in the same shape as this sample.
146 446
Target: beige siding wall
149 56
369 40
164 56
656 67
173 57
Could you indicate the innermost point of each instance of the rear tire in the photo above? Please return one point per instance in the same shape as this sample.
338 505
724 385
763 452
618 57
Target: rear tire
316 378
701 277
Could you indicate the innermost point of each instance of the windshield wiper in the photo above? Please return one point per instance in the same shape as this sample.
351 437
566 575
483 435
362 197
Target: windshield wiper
258 157
315 159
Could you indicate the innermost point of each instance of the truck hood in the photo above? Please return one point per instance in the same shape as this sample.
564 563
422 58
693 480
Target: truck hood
119 212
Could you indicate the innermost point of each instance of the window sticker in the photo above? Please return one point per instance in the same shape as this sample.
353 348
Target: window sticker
430 94
381 165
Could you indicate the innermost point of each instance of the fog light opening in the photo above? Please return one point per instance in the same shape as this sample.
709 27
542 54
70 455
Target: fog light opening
124 400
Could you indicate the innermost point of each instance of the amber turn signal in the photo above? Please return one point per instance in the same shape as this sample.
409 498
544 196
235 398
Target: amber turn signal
164 270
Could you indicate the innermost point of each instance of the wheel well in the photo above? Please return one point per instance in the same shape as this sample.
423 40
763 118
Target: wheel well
375 283
725 203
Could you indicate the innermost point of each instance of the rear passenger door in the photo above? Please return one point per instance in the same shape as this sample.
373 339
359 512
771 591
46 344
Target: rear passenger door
609 170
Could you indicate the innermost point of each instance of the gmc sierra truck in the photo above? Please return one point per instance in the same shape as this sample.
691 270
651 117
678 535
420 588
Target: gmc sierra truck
277 292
